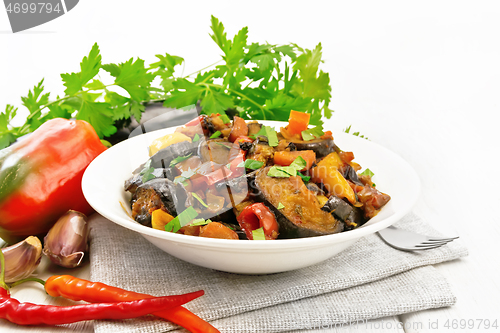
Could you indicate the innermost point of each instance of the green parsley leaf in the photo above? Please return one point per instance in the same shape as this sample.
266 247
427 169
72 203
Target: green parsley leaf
199 199
299 163
225 119
214 101
215 135
367 172
35 100
112 69
185 93
179 159
270 134
181 220
252 80
184 176
148 175
95 85
288 171
6 131
98 114
136 110
258 234
305 179
134 78
348 129
196 138
90 65
313 133
200 222
252 164
222 144
280 205
282 171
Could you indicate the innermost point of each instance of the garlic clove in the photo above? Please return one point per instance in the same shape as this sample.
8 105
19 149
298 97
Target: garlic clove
66 242
21 259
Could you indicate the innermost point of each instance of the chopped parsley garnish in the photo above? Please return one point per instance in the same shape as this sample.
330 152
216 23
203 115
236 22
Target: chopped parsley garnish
270 134
148 175
196 138
215 135
280 205
305 179
147 172
225 119
367 172
288 171
179 159
252 164
200 222
282 172
199 199
184 176
312 133
181 220
299 163
258 234
223 145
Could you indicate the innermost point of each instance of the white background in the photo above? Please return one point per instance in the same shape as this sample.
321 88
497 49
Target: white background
420 78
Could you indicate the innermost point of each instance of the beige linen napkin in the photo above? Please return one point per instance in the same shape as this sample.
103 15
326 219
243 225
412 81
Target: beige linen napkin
368 280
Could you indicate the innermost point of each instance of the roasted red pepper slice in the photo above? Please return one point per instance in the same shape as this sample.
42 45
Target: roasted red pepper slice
257 215
40 177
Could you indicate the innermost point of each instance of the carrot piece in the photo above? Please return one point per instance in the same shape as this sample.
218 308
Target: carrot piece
285 158
217 230
240 128
298 122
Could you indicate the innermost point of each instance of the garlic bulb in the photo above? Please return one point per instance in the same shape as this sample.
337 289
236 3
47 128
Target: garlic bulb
21 259
66 242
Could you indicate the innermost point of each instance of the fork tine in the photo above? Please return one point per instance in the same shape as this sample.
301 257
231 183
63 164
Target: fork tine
437 242
426 247
415 248
442 239
429 245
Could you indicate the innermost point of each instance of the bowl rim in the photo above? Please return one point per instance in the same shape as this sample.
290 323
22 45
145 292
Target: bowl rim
258 245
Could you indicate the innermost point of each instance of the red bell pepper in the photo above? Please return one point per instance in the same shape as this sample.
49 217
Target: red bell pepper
257 216
40 177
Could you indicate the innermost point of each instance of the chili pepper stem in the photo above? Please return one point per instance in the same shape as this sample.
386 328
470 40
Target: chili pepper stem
12 285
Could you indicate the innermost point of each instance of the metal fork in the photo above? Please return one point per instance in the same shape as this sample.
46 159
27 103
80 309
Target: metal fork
411 241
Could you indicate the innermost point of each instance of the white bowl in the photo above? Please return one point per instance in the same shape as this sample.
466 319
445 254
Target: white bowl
103 182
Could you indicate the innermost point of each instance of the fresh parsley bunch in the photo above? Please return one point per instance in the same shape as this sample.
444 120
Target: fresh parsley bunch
252 80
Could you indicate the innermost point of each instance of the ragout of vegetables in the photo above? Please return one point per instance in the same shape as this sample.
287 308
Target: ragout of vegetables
232 179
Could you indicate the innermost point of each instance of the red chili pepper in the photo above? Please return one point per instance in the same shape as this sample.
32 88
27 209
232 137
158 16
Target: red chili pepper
82 290
40 177
255 216
34 314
